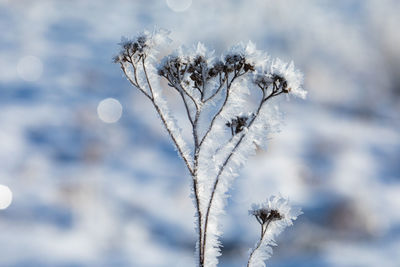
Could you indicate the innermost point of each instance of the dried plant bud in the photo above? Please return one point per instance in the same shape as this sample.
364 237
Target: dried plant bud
216 69
190 69
132 50
234 62
248 67
135 47
228 68
237 124
161 72
212 73
116 59
196 78
172 67
142 41
195 69
234 59
266 215
127 45
265 80
279 83
276 208
199 60
274 215
262 215
277 78
241 123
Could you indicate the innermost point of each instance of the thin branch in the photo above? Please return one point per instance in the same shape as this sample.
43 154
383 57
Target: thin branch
164 120
187 109
263 231
198 89
133 83
193 171
195 182
228 87
221 82
176 83
222 168
197 201
203 75
180 88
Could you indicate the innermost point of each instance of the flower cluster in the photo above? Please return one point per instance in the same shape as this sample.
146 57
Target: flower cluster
279 83
197 70
274 216
141 46
132 50
265 216
237 124
275 209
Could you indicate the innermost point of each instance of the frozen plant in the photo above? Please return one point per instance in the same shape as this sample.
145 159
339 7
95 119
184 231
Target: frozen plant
225 100
273 216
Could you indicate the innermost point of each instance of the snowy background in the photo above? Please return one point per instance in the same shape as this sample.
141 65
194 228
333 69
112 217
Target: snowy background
91 193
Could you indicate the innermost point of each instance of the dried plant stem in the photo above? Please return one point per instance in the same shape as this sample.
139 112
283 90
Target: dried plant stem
193 171
264 228
274 92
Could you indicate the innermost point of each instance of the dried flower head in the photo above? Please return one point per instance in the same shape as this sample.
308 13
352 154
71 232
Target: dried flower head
237 124
274 216
264 216
275 209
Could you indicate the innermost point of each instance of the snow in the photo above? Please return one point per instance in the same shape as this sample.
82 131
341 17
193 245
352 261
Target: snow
89 193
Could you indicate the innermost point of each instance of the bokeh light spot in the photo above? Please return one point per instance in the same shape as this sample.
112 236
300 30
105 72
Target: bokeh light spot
30 68
5 197
179 5
109 110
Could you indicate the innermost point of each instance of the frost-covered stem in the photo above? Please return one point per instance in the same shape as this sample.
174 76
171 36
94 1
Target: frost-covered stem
263 231
193 171
195 185
134 83
182 91
164 120
199 215
221 85
222 168
195 132
181 88
228 87
216 115
187 109
176 83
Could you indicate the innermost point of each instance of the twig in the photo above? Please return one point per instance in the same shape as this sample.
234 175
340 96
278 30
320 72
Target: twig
164 121
263 231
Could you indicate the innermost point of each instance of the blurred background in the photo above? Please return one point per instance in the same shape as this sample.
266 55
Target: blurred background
96 181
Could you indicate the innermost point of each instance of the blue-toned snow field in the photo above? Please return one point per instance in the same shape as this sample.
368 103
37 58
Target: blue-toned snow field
89 176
